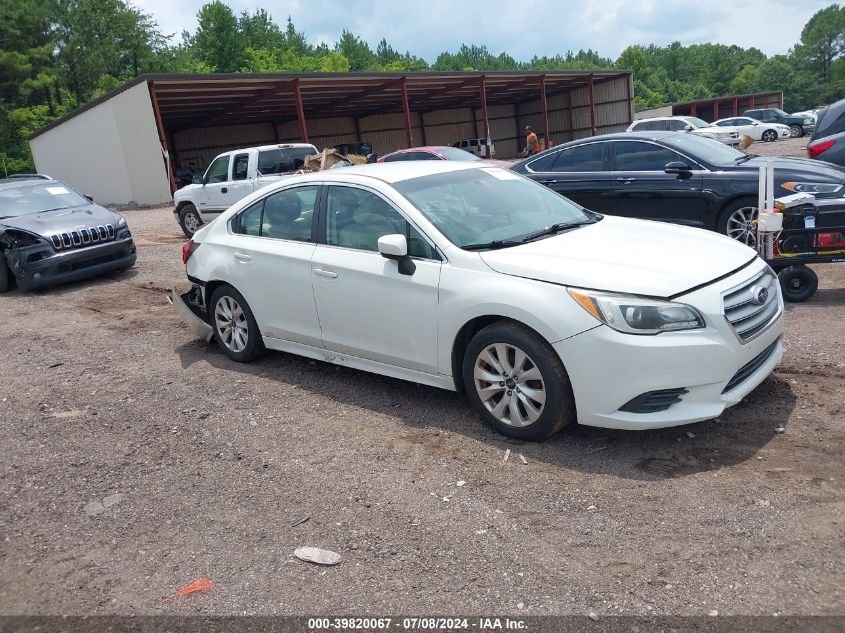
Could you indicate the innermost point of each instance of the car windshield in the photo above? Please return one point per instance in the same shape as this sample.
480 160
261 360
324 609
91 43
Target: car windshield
38 197
696 122
704 149
481 206
452 153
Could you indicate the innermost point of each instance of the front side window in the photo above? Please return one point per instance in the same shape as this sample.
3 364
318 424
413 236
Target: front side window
582 158
218 171
392 158
486 205
677 126
240 166
356 218
633 156
283 215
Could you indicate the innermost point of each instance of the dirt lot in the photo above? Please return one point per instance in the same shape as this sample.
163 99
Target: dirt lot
136 458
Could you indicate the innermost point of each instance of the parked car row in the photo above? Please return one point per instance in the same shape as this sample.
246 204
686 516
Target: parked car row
686 124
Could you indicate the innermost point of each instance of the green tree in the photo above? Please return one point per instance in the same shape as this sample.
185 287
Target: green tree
357 51
259 31
217 41
823 40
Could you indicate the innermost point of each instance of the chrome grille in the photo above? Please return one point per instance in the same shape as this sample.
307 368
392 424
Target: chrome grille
82 237
744 310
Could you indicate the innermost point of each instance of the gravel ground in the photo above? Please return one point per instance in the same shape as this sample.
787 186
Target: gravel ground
137 458
786 147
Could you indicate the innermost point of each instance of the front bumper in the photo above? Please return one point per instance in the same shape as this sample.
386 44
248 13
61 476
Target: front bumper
71 265
609 369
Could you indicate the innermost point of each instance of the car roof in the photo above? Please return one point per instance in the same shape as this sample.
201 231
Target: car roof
423 148
665 118
394 172
11 183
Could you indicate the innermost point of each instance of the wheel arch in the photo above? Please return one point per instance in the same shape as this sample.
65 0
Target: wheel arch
465 334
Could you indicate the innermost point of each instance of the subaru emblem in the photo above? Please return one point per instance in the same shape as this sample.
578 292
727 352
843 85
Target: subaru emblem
759 295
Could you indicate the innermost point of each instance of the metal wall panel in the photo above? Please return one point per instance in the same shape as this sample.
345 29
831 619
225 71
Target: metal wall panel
110 151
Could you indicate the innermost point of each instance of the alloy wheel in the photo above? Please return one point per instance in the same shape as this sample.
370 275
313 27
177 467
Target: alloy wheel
769 136
742 226
795 131
509 384
231 324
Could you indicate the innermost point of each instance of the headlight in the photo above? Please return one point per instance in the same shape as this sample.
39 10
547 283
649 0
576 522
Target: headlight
636 315
812 187
121 221
808 121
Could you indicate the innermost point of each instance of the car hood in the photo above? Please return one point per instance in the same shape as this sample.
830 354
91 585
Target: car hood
805 169
185 192
48 223
623 255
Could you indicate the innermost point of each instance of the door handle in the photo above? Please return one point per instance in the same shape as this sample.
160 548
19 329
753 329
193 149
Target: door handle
548 182
224 190
625 181
242 257
329 274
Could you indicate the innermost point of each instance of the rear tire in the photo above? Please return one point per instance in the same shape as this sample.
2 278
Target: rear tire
796 131
798 283
234 325
517 382
769 136
4 273
189 220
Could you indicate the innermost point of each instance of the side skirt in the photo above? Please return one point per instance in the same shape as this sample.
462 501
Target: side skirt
375 367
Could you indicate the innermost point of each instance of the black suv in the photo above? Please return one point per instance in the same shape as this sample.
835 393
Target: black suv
828 141
798 125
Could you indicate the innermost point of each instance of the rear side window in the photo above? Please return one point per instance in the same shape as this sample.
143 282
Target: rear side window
285 215
632 156
395 157
282 160
582 158
831 120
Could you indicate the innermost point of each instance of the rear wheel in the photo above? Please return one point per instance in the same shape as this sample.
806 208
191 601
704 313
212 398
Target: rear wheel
517 382
798 283
739 221
234 325
189 220
769 136
796 130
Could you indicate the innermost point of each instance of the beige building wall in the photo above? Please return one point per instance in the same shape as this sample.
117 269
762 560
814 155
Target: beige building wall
111 151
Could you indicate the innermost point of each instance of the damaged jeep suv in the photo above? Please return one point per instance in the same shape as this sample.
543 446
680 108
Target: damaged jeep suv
50 234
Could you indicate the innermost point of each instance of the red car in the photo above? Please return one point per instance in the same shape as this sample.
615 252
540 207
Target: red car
438 152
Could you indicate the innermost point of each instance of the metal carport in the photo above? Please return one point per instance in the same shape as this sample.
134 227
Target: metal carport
191 118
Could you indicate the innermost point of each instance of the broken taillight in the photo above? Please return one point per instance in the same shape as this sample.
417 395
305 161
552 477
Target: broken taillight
814 149
188 249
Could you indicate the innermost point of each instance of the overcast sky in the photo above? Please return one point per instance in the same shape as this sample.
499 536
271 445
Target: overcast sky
524 28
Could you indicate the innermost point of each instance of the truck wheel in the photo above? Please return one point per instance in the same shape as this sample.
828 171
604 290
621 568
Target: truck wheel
796 131
798 283
189 220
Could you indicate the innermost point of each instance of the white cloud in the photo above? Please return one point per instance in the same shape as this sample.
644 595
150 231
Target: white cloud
524 28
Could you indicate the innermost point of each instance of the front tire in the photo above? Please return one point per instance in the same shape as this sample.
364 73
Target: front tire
739 221
517 382
189 220
234 325
796 131
769 136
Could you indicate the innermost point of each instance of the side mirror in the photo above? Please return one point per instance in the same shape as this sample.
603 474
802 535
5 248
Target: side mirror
677 167
198 180
90 198
756 123
688 128
395 247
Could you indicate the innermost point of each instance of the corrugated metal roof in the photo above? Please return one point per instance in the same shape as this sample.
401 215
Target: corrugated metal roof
191 101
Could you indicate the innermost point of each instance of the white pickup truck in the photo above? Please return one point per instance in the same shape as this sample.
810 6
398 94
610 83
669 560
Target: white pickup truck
232 176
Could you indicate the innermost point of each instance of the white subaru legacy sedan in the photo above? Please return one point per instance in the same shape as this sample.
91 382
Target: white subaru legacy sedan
474 278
